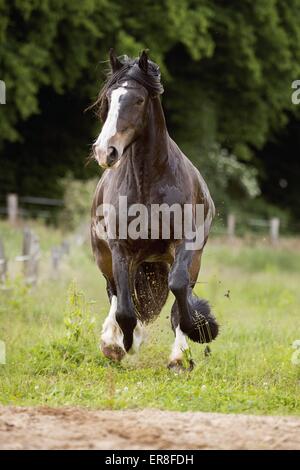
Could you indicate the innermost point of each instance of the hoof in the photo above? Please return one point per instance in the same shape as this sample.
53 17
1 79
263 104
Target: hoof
178 367
113 352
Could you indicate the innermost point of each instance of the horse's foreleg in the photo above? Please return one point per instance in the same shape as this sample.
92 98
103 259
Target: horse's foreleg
112 338
112 344
117 334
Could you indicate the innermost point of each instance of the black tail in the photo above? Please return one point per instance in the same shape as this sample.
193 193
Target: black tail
150 290
202 327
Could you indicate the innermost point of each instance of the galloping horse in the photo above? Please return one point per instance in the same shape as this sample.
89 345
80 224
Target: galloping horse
144 164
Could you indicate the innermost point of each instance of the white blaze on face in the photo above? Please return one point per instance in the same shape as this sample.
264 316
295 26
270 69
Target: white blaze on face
179 346
110 126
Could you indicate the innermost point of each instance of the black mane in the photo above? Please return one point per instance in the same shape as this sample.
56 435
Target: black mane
130 70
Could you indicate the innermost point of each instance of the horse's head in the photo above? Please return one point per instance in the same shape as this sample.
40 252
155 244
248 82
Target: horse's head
123 104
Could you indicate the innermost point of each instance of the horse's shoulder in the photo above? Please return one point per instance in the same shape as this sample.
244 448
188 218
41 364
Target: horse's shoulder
98 195
200 185
104 180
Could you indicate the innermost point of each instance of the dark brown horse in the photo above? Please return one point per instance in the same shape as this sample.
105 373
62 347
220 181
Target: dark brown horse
146 166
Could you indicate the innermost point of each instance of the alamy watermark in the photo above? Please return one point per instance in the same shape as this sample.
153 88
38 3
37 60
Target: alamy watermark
2 92
156 221
296 94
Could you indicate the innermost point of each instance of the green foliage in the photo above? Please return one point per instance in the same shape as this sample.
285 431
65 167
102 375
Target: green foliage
77 201
51 43
76 345
229 179
78 320
227 66
251 54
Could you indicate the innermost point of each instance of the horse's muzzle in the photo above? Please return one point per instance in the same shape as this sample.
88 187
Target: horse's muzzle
106 158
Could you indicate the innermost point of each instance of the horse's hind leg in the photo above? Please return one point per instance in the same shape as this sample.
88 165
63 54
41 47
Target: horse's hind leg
190 316
180 345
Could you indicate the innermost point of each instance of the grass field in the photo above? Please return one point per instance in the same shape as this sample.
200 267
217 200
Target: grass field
52 334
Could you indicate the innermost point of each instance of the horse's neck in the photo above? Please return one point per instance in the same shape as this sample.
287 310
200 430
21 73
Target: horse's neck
149 154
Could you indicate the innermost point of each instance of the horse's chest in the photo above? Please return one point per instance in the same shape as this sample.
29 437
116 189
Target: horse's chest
155 214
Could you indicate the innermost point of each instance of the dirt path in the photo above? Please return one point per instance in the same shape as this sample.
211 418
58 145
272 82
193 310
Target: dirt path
78 428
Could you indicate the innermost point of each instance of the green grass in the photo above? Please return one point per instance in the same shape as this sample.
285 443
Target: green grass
52 338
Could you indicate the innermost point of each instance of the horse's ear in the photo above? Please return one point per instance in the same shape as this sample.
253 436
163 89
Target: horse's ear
114 61
143 61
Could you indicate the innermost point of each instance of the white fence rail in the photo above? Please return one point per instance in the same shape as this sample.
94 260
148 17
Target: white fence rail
272 225
16 207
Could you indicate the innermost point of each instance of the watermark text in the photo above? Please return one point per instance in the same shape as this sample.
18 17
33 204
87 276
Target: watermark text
296 93
154 222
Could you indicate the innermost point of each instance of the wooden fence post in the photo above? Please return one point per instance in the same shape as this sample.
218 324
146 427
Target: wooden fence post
12 208
274 229
231 225
3 264
55 258
65 247
31 255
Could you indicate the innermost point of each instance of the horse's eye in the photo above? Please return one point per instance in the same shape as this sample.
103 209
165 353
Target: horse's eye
140 101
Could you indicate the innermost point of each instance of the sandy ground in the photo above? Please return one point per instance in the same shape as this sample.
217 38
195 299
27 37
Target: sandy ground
78 428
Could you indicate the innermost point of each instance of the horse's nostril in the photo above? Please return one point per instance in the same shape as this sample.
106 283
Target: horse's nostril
112 156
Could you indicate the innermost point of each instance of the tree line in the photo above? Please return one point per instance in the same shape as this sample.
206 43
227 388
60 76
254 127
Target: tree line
227 67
